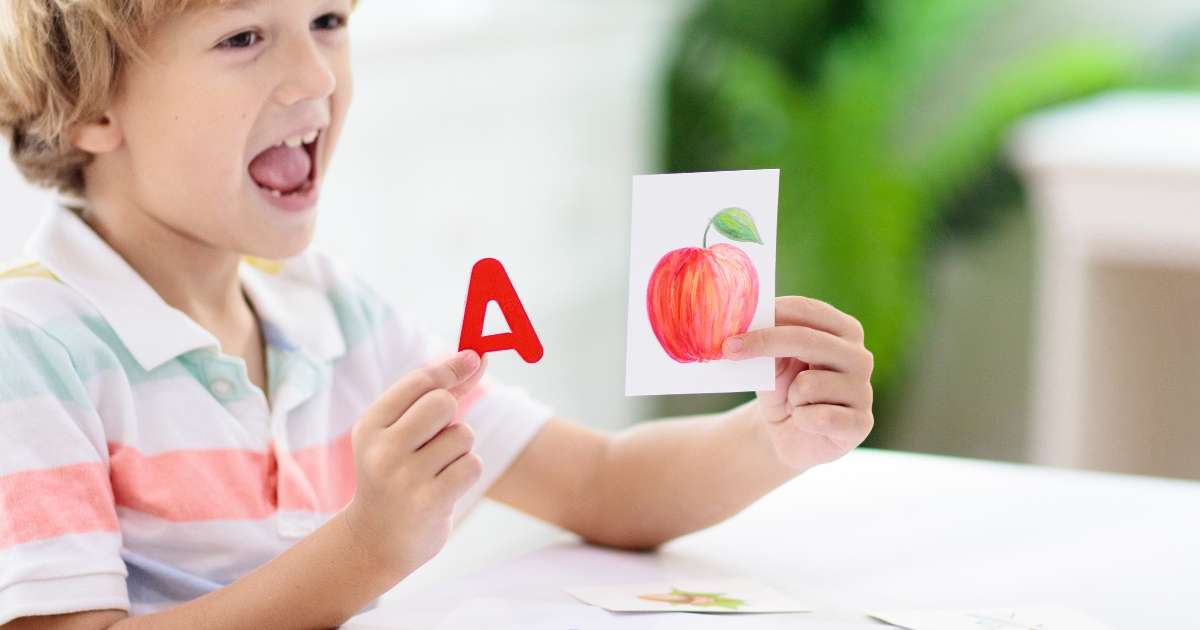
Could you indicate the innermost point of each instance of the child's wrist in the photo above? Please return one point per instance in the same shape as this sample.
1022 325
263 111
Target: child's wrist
368 544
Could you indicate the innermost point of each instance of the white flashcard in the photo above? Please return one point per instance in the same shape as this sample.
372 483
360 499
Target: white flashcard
514 614
1017 618
739 595
701 269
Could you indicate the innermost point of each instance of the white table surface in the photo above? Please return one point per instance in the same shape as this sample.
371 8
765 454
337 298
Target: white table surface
881 530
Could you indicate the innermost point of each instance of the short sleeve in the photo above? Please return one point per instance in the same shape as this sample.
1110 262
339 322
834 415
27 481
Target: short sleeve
60 540
505 420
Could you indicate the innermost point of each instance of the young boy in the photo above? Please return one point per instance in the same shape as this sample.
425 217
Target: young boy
193 437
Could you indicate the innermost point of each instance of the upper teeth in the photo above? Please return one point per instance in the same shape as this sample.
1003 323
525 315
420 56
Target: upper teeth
296 141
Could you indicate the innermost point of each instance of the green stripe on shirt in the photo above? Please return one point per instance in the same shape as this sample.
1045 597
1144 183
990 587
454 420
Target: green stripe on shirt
359 311
33 364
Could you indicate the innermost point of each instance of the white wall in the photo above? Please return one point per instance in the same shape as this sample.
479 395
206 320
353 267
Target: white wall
511 130
21 206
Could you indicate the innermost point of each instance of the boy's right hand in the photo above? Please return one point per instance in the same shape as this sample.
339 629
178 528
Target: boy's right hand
413 462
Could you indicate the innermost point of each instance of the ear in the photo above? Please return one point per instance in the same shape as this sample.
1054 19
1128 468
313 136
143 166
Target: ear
98 136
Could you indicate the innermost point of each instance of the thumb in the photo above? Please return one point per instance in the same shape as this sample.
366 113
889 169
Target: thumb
470 381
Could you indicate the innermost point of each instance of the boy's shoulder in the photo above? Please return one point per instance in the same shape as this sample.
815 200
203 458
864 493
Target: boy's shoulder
30 290
26 268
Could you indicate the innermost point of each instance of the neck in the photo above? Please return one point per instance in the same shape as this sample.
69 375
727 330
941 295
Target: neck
191 276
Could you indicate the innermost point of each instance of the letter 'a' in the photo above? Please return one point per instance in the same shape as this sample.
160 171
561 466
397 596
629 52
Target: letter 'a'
490 282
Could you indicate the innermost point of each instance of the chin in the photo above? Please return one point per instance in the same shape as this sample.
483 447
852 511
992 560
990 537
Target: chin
274 239
281 246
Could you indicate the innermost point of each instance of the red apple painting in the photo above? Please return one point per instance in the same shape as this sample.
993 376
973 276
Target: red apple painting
699 296
701 268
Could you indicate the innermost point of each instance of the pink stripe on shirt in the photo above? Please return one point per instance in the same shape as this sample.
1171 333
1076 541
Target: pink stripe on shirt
227 484
49 502
194 485
331 469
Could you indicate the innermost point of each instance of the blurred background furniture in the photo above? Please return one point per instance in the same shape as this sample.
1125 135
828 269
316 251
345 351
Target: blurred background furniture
888 120
1115 185
880 530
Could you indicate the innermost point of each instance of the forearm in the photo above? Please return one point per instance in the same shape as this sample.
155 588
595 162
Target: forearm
319 583
660 480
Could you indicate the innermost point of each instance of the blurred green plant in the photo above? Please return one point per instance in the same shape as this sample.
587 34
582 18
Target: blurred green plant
829 91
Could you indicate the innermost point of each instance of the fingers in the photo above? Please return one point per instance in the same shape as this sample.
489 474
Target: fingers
450 374
448 445
424 420
810 345
462 473
817 387
841 424
801 311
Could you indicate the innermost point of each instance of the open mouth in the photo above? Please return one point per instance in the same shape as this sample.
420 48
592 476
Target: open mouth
288 168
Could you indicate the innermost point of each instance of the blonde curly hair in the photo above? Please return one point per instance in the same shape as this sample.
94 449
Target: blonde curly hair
59 64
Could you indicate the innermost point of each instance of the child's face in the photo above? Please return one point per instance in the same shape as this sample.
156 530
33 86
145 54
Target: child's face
208 124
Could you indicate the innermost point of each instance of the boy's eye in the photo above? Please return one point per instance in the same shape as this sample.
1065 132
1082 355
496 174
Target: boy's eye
245 39
328 22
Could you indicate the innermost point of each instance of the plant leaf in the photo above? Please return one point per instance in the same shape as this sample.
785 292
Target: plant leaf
737 224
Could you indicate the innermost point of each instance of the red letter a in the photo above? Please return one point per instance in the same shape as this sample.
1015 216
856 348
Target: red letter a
490 282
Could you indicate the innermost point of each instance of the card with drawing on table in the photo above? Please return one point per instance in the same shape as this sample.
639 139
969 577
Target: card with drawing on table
515 614
1016 618
740 595
702 269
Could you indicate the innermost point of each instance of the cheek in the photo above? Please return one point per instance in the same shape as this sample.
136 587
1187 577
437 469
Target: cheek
339 106
196 167
214 147
186 143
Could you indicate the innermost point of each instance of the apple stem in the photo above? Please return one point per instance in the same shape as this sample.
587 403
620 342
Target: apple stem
704 243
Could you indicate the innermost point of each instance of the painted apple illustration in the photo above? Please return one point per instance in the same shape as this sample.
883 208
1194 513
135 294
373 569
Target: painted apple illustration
700 296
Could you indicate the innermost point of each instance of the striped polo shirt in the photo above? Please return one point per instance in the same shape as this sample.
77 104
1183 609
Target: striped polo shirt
140 468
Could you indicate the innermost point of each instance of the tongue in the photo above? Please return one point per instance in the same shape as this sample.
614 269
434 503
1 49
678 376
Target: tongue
281 168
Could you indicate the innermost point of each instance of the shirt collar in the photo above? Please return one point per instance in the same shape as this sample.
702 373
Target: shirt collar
152 330
291 301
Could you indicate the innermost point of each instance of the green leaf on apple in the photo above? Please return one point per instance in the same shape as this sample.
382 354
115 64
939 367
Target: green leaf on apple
737 224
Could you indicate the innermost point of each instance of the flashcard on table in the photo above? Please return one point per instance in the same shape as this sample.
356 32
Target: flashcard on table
701 269
513 614
739 595
1018 618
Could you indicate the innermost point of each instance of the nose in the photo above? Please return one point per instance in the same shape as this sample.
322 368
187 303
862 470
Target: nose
308 74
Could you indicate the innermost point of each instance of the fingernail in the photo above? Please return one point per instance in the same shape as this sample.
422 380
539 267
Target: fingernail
733 344
469 359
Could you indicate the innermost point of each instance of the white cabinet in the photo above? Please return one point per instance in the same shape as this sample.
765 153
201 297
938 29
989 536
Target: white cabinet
1115 185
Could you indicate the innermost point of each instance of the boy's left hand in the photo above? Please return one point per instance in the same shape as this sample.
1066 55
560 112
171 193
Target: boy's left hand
820 408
